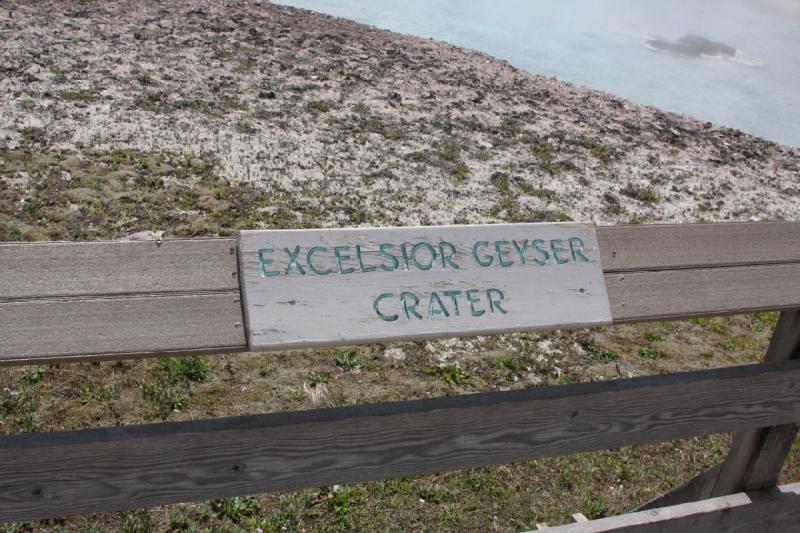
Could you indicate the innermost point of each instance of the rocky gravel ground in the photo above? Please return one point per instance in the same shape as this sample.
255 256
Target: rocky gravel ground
317 121
165 119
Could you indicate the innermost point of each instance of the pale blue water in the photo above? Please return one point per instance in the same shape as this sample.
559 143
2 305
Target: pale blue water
600 44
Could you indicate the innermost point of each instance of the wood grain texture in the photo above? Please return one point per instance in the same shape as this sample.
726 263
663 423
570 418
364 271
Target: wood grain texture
63 301
673 294
757 455
56 474
697 488
317 298
773 511
671 246
61 269
653 275
64 330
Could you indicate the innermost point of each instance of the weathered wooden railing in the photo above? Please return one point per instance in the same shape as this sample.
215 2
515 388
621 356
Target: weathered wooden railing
62 302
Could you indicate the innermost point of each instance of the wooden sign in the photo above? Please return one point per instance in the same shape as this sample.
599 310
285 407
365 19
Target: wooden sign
306 288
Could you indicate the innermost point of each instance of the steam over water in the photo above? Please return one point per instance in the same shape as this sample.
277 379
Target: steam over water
601 44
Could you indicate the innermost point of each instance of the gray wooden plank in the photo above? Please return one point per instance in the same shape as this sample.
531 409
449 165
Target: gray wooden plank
776 510
673 294
663 246
56 474
33 331
58 269
697 488
122 270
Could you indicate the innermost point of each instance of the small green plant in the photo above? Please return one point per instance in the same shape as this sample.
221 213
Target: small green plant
32 377
318 378
347 361
432 492
652 353
236 508
566 378
612 204
510 127
98 394
545 155
594 506
450 373
767 319
144 78
164 397
340 500
178 521
590 346
18 527
653 337
609 355
511 368
449 150
137 521
323 106
459 171
190 368
643 194
244 126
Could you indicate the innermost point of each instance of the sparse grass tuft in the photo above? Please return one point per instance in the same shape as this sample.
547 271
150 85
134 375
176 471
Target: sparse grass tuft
652 353
347 361
319 378
237 508
450 373
321 106
641 193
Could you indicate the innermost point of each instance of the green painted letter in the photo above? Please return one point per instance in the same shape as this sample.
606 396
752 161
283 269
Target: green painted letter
339 258
453 298
535 244
361 262
264 262
410 308
576 247
495 304
395 263
501 252
293 260
441 310
311 252
447 258
521 251
416 249
388 318
487 261
472 301
554 246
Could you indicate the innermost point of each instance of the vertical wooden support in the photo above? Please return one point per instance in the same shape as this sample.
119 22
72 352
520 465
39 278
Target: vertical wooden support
756 456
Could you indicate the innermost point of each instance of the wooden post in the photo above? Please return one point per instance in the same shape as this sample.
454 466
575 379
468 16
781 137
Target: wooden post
757 455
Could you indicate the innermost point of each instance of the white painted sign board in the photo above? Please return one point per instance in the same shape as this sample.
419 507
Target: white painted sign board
304 288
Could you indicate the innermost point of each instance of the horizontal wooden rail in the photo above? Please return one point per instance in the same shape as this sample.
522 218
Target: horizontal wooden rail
56 474
775 510
114 300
